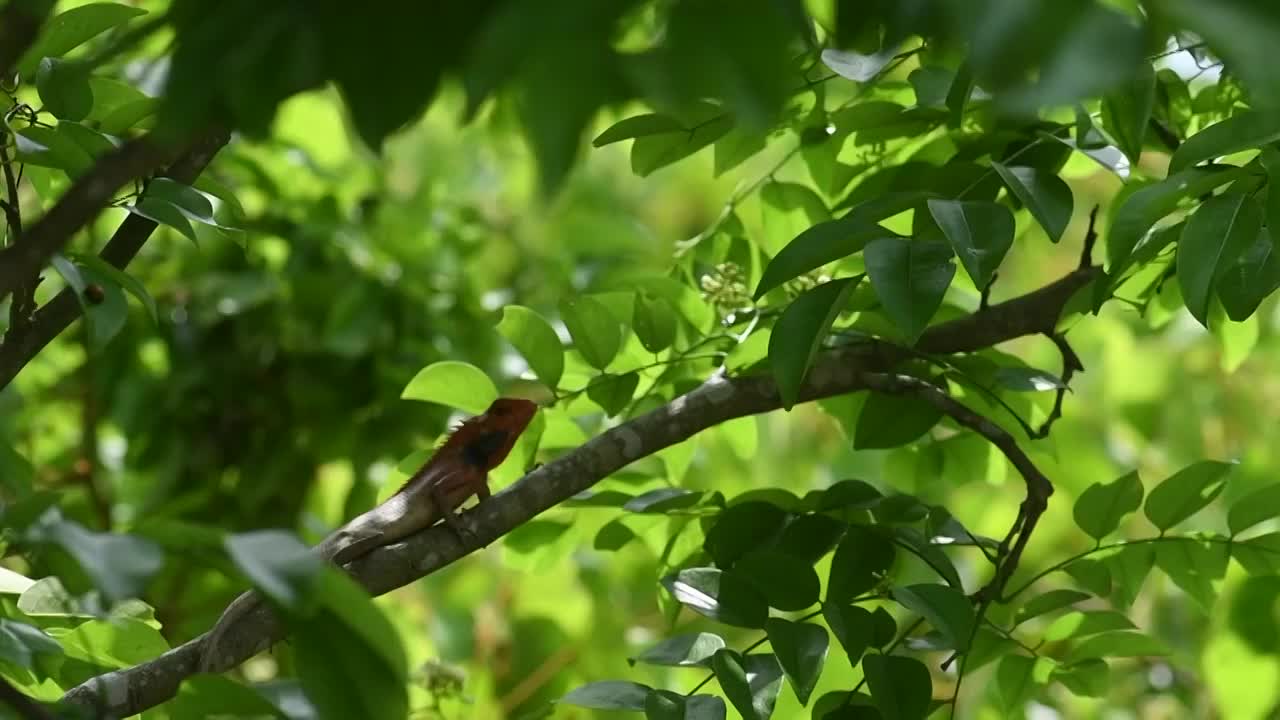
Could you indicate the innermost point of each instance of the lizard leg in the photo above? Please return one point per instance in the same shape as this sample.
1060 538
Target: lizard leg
450 516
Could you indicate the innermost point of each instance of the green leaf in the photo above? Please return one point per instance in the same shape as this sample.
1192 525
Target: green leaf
20 643
276 563
853 626
454 384
536 340
1140 210
64 88
860 563
1092 575
1129 569
888 421
1045 194
683 650
1047 603
207 695
1120 644
117 642
1027 379
946 609
910 278
652 152
119 565
1077 624
801 649
1253 613
810 537
1243 131
855 66
163 212
1195 566
784 583
613 392
72 28
1216 236
51 148
638 126
1258 555
1015 682
1185 493
900 686
654 321
719 596
609 695
613 536
1252 278
1087 678
121 278
534 534
751 683
193 203
925 549
595 332
662 500
818 245
1126 111
1256 507
799 333
1100 507
740 528
343 674
980 233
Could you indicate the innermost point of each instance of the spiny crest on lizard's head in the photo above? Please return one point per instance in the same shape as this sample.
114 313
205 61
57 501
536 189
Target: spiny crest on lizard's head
485 440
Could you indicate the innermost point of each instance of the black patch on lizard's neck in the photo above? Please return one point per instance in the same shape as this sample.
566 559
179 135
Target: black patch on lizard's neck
480 450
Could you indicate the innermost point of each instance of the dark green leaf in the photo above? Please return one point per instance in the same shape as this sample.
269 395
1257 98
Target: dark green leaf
719 596
72 28
1049 602
850 493
682 650
1126 111
1100 507
1215 237
900 686
664 705
1185 493
860 563
1092 575
654 320
1128 570
609 695
536 340
801 649
613 393
614 535
1241 32
663 500
64 88
638 126
818 245
927 551
946 608
119 277
740 528
1253 613
653 152
1027 379
980 233
1087 678
20 643
799 333
809 537
910 278
594 330
535 534
1045 194
853 626
1194 566
1242 131
888 421
163 212
1258 555
119 565
1258 506
784 583
751 683
276 563
51 148
1142 209
1119 644
1252 278
1014 681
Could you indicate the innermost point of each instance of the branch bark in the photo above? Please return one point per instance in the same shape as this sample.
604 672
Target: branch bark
133 690
54 317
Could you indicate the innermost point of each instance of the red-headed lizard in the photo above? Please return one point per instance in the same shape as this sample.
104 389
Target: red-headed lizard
458 469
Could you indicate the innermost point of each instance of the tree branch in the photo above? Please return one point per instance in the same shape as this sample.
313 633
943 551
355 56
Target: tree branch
54 317
132 690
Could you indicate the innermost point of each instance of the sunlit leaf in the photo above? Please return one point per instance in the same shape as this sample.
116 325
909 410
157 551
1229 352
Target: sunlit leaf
452 383
1185 493
1101 506
800 331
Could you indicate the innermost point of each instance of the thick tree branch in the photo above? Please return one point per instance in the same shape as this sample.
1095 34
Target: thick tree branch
20 264
54 317
132 690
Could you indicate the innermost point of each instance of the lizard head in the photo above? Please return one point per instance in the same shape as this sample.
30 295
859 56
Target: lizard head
486 439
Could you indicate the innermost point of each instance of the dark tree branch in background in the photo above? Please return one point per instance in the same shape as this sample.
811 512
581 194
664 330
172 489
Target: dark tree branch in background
20 23
64 308
838 372
87 196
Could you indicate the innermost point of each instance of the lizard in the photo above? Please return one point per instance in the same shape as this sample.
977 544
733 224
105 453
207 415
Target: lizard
458 469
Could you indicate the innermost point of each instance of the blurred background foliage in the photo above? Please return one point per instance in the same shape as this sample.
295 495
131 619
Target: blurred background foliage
267 393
